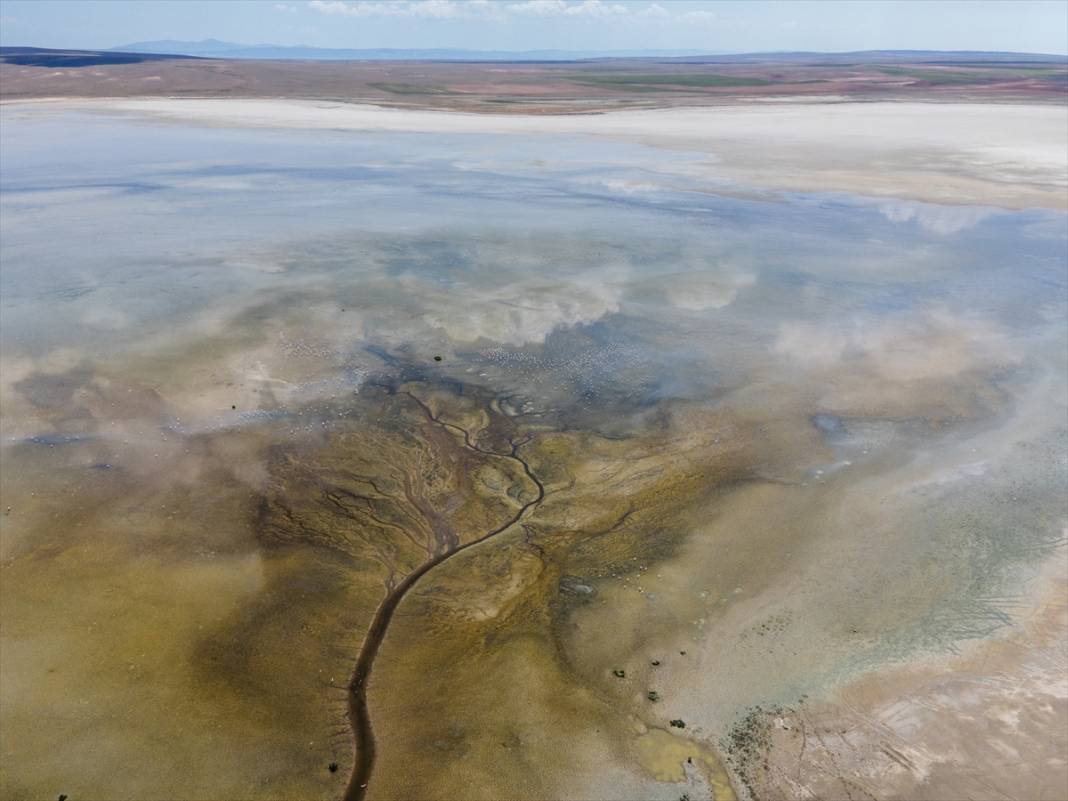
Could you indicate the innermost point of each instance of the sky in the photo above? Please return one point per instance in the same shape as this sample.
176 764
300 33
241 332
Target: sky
713 26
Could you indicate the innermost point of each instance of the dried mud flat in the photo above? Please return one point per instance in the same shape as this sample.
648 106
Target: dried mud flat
411 455
962 154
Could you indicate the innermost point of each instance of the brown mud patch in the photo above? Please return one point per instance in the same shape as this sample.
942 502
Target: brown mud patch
990 722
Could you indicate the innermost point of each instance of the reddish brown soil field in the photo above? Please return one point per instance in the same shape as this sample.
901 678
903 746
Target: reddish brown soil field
558 87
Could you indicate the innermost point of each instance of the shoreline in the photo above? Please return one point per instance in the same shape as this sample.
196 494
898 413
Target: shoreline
994 154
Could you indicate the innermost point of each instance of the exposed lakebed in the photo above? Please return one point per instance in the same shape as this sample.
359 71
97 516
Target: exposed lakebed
625 450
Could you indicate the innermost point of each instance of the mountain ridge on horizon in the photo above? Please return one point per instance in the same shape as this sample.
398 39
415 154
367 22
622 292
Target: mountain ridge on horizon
222 49
215 48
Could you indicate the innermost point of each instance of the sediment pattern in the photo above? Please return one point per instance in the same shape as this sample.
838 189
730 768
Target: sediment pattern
557 472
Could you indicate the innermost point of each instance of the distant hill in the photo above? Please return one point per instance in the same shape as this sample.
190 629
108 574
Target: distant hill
213 48
881 57
491 82
203 47
46 57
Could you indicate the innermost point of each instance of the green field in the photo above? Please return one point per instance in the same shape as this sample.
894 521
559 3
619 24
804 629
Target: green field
412 89
943 76
668 81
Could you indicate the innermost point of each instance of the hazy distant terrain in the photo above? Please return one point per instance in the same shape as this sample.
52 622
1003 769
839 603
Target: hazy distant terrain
213 48
492 85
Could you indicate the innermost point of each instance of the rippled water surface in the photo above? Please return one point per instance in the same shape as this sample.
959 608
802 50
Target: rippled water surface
734 449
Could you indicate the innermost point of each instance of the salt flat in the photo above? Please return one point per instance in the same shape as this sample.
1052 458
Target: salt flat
1010 155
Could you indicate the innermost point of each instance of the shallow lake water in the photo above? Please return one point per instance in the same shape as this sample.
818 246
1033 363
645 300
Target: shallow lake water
722 450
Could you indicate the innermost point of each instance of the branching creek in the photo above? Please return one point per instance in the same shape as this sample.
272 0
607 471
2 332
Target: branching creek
447 547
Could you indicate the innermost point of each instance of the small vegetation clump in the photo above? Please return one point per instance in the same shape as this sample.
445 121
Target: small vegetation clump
748 742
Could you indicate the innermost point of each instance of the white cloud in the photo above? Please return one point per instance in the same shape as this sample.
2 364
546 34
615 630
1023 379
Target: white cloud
481 9
433 9
935 218
629 187
711 290
699 16
654 11
285 7
584 8
937 344
527 312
